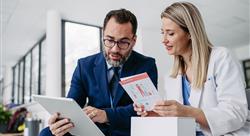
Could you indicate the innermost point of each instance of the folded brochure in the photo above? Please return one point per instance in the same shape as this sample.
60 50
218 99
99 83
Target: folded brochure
141 90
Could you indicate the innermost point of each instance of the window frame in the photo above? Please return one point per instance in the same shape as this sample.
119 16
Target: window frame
245 69
64 21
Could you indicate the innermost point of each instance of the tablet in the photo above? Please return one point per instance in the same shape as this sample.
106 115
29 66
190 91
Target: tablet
68 108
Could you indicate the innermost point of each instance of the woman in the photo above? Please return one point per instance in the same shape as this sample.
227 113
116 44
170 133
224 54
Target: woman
205 82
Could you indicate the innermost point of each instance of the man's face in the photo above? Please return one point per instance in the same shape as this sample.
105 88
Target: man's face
119 41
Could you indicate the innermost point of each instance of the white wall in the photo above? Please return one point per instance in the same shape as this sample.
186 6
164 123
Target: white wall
7 84
53 52
153 47
242 52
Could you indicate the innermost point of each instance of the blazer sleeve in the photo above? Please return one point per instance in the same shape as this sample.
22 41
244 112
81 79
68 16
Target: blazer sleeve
153 73
231 111
120 116
77 90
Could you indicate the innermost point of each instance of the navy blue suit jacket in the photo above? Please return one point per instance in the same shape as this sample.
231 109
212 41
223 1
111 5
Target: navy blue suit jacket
90 81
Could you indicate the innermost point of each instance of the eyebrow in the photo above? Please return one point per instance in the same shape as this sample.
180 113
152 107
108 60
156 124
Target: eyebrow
168 30
111 37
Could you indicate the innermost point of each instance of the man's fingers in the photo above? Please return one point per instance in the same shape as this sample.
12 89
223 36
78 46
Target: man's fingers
92 114
53 118
90 110
59 124
64 132
63 129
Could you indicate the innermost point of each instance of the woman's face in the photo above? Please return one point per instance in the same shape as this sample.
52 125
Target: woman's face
175 39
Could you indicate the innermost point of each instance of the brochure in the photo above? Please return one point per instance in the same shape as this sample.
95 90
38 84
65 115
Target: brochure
141 90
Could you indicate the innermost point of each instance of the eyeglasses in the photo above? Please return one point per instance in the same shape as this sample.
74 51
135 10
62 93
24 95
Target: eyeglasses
111 43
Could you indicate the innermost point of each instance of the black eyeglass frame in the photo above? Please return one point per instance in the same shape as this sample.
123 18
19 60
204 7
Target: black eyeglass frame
118 43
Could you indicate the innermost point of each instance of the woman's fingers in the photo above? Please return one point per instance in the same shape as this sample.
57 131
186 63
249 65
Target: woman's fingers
140 109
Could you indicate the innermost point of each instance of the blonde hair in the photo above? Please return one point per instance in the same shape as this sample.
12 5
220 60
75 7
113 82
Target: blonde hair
188 17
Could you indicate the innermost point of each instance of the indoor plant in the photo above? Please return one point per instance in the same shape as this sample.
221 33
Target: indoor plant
4 118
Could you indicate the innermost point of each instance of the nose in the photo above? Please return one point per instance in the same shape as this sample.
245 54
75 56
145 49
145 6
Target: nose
164 39
115 48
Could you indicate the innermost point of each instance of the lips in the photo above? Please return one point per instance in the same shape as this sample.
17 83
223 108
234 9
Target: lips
115 57
168 47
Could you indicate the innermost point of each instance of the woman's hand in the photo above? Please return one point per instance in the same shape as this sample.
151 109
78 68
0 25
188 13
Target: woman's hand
171 108
140 110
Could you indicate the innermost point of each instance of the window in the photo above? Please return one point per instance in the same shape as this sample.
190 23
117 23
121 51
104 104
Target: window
246 67
1 89
35 68
15 84
27 89
29 74
80 41
20 83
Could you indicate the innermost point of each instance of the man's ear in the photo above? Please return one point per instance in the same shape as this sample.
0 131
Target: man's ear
135 38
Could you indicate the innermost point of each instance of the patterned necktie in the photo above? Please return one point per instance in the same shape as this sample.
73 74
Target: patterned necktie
113 84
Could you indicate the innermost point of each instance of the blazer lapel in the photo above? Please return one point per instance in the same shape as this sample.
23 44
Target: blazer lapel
100 72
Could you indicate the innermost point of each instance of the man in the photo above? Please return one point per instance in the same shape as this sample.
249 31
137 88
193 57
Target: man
109 106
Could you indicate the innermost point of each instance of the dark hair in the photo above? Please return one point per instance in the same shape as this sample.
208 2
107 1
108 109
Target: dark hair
122 16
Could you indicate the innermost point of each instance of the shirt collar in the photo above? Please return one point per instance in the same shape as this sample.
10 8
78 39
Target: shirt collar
109 67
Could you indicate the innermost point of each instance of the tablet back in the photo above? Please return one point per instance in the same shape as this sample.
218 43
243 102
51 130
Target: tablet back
68 108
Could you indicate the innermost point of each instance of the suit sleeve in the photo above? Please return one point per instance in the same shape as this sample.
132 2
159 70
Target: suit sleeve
77 90
153 73
120 116
231 112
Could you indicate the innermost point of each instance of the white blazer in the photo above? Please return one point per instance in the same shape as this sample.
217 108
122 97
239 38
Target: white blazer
222 99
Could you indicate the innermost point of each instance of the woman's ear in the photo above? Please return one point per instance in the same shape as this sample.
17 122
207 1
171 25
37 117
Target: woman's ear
189 36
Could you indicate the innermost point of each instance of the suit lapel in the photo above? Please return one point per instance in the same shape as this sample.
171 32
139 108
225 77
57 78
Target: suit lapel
100 72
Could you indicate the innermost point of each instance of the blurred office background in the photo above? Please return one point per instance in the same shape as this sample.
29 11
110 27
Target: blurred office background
41 40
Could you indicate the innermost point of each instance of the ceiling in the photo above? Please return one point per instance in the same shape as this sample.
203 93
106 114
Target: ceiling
23 22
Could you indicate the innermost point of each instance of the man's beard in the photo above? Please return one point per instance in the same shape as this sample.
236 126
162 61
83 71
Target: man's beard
116 63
